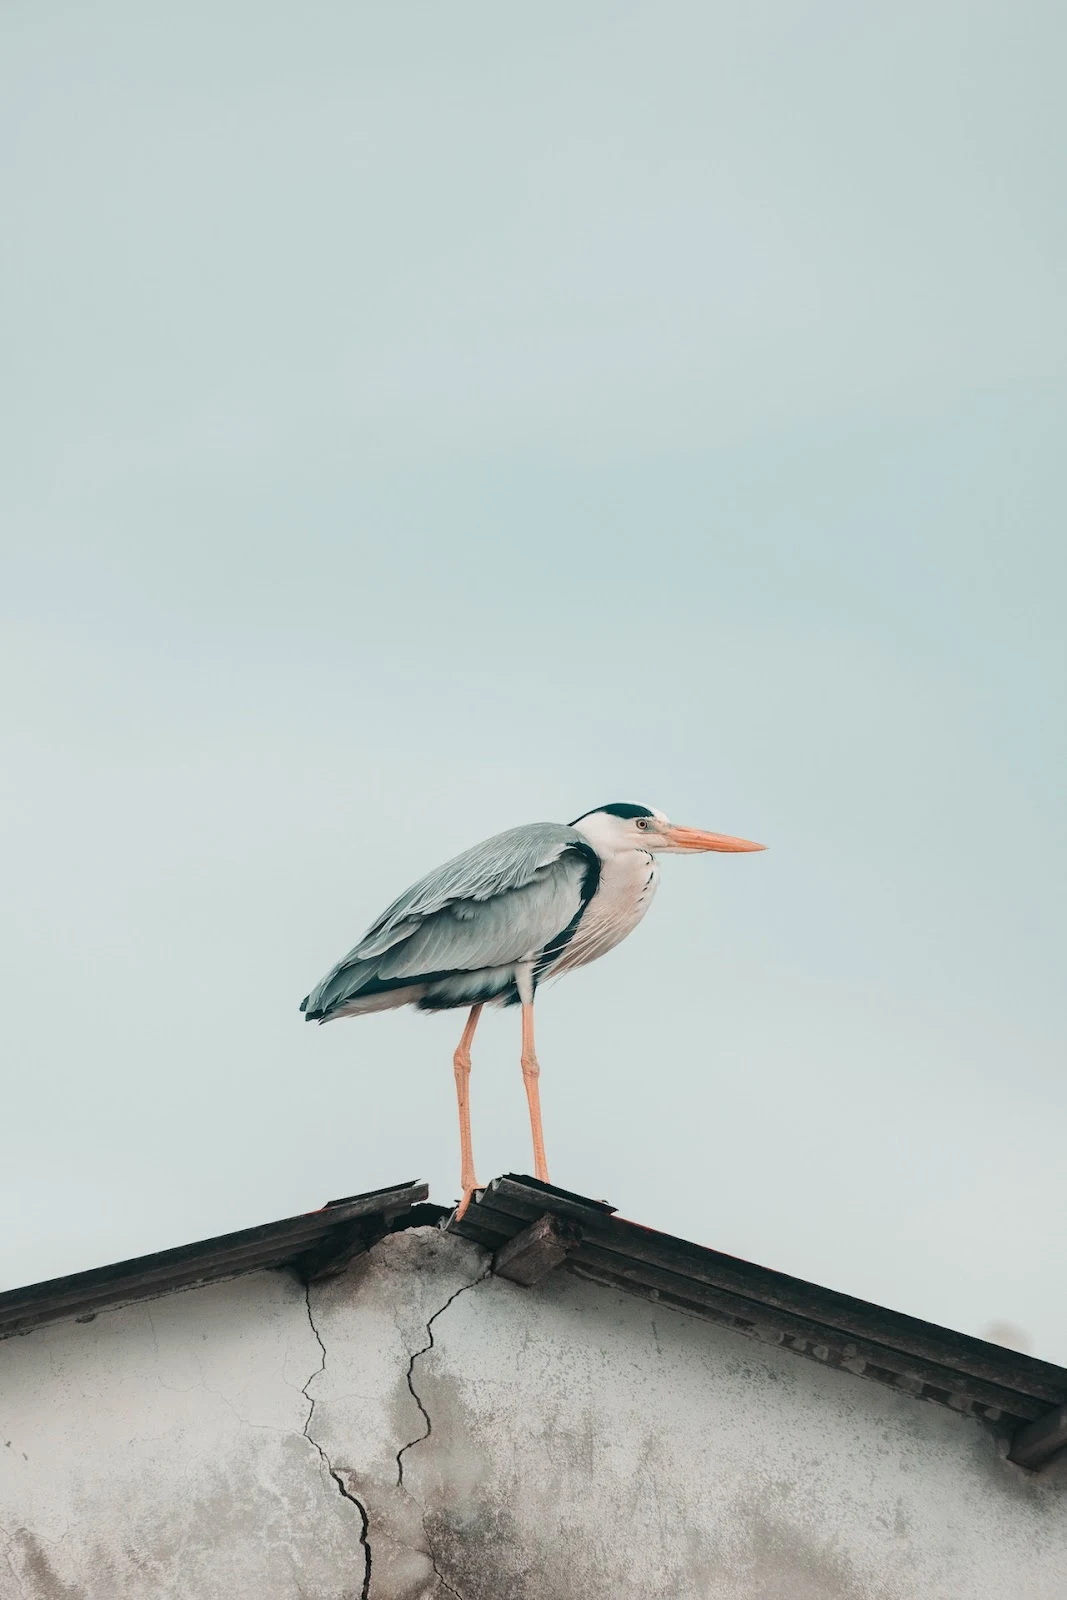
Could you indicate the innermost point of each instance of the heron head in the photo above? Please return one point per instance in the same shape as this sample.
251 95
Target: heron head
621 826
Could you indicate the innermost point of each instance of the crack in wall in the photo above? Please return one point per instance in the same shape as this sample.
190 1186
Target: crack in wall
342 1489
425 1434
439 1575
18 1580
425 1350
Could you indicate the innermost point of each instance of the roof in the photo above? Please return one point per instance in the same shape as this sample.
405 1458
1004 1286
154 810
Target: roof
533 1228
315 1244
1017 1394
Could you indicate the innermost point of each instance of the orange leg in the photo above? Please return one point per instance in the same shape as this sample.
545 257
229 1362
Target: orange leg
461 1062
530 1074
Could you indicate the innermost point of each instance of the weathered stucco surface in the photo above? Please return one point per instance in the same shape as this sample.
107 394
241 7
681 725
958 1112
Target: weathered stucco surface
417 1429
159 1451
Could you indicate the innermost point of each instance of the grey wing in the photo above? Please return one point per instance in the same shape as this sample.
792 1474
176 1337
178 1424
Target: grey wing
496 904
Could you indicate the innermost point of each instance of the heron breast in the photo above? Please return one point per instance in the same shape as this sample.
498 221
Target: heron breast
624 893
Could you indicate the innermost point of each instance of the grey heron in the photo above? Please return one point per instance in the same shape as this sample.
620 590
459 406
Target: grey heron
496 921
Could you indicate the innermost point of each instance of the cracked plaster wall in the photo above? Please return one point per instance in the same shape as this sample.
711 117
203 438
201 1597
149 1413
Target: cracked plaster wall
417 1430
158 1451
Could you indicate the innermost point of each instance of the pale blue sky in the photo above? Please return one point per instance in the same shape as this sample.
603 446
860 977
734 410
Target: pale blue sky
423 419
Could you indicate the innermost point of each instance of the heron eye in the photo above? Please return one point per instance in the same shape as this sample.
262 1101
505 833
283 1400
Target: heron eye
642 823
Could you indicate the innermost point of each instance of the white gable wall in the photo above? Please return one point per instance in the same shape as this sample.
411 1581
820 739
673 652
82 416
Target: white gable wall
582 1443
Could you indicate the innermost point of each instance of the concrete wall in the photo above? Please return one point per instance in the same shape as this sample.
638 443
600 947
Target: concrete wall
471 1438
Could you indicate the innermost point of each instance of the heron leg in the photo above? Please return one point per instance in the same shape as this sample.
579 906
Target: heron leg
531 1072
461 1063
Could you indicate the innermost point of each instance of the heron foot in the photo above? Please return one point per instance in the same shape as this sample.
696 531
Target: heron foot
468 1196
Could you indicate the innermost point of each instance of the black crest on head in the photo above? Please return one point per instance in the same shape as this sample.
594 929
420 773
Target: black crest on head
619 809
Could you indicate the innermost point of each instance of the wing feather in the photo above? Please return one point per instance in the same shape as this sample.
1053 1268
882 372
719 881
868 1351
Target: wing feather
508 860
469 934
495 904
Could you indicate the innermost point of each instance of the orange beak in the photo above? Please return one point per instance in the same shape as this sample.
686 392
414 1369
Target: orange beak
689 840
